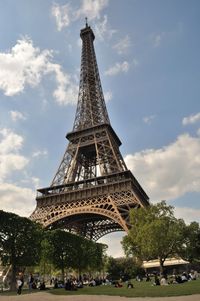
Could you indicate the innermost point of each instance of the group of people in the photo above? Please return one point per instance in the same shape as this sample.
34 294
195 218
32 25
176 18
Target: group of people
184 277
175 278
32 283
73 284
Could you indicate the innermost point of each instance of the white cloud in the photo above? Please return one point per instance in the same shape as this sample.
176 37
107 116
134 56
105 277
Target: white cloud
27 65
191 119
23 65
66 91
79 42
14 198
40 153
17 199
123 45
149 119
108 96
168 172
10 159
135 62
157 40
65 14
91 9
118 68
113 240
188 214
102 29
16 115
36 182
9 141
62 14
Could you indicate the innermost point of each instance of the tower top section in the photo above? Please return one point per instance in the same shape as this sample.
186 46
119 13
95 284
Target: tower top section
86 31
91 109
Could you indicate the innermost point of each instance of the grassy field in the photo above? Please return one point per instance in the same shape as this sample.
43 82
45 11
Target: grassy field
141 289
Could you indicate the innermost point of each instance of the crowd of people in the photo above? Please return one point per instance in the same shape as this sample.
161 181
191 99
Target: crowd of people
165 280
72 283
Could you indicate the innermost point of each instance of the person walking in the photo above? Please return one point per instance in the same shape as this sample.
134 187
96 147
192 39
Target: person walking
20 283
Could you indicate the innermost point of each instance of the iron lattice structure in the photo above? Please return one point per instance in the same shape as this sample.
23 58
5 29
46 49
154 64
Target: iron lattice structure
92 191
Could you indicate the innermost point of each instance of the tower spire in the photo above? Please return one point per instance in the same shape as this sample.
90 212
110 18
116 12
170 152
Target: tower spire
91 108
86 23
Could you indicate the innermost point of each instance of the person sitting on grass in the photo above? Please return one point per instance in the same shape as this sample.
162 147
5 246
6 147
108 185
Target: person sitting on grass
184 277
42 286
117 284
92 283
148 278
156 280
163 280
129 285
70 285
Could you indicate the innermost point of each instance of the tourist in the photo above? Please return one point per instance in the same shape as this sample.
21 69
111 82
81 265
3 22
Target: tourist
129 285
156 280
30 282
20 283
163 280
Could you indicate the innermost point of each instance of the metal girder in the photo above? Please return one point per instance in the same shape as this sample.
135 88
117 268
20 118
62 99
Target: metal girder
92 191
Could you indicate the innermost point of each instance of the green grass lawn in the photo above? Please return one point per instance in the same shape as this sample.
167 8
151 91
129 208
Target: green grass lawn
141 289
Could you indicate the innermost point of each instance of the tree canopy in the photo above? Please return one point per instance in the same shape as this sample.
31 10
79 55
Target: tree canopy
190 250
68 250
122 268
155 233
20 242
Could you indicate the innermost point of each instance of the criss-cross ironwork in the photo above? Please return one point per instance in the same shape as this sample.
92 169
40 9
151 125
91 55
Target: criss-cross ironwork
92 191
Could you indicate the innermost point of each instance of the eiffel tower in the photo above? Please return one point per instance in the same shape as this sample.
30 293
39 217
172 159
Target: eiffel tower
92 191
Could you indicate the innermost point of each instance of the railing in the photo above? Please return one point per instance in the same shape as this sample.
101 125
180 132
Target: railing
84 184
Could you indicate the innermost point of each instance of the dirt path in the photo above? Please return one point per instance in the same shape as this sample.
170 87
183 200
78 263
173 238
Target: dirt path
42 296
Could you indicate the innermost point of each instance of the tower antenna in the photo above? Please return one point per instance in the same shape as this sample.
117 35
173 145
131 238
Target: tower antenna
86 23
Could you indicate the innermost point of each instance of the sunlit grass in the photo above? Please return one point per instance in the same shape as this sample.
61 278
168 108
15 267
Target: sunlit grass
141 289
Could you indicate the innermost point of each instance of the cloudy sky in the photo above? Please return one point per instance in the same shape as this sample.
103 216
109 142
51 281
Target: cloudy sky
148 58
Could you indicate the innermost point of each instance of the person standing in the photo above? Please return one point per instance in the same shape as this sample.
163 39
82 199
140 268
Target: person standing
20 283
30 281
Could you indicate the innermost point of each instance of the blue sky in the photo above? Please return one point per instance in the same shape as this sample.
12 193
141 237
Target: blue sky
148 58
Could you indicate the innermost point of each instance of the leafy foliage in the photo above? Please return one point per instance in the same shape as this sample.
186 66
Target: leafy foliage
20 241
71 251
191 249
155 233
124 268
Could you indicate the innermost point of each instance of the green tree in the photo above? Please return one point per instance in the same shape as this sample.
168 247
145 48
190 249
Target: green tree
20 242
123 268
62 249
88 255
45 262
99 256
72 251
155 233
190 250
